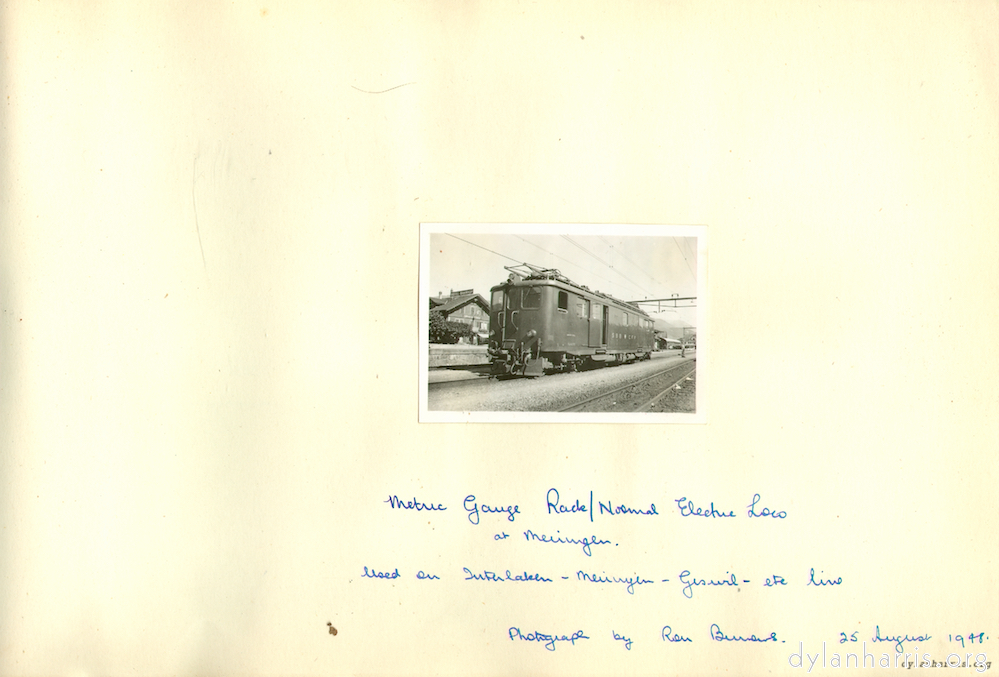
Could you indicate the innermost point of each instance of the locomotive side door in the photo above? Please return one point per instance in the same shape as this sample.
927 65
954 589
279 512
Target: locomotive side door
497 315
596 324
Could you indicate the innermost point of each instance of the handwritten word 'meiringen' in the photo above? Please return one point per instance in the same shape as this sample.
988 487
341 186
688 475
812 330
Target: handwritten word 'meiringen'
586 542
630 581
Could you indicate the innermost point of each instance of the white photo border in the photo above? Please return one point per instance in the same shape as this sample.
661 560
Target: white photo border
700 232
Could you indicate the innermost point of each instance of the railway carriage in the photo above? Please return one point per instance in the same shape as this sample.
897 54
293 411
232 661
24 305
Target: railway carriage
541 321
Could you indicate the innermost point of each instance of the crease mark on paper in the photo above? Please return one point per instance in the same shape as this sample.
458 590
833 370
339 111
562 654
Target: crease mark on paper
384 90
194 199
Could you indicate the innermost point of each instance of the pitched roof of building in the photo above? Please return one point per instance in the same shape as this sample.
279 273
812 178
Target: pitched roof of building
448 304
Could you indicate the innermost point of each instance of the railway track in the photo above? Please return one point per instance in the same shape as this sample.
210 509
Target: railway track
458 382
641 395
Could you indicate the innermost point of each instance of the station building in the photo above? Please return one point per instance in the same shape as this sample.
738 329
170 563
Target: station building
467 307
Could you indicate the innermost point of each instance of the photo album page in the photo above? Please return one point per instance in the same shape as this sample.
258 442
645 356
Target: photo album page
499 338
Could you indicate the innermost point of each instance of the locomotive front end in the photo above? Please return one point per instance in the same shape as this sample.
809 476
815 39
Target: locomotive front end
515 327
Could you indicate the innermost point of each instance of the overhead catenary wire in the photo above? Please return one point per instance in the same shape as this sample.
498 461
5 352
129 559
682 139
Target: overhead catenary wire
510 258
485 248
633 283
637 267
684 255
690 249
575 265
584 249
564 259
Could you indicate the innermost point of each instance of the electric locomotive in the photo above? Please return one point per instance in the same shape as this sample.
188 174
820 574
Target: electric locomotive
540 321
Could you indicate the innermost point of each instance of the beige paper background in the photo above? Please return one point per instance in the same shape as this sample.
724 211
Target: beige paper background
209 261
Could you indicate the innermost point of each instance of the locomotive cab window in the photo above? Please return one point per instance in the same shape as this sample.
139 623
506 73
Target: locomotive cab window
531 298
563 301
497 300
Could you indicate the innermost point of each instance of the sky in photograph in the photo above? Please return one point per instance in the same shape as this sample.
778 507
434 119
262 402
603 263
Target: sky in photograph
628 267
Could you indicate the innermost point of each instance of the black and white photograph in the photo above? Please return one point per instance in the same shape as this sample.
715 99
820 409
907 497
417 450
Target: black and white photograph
560 322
